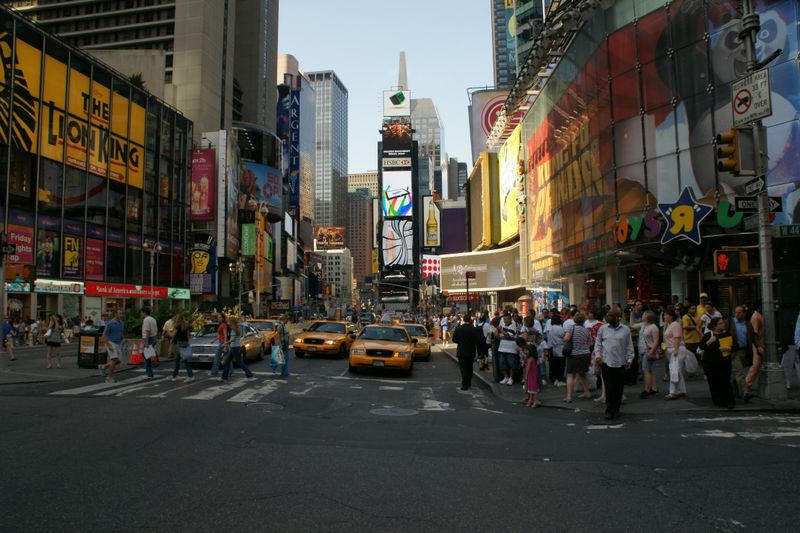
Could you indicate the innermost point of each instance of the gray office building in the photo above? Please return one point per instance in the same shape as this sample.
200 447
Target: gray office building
331 160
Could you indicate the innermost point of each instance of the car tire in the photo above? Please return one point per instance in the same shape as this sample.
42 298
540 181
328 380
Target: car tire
351 369
343 351
299 355
407 373
427 357
260 356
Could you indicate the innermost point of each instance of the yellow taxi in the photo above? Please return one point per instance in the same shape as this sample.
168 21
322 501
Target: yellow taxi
422 350
383 346
325 337
270 329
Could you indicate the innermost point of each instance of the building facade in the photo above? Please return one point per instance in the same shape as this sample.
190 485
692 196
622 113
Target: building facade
93 173
337 277
364 180
358 236
199 56
331 154
503 45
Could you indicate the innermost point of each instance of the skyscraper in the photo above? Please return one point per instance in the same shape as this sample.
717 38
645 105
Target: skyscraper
331 159
359 232
196 55
364 180
503 44
428 130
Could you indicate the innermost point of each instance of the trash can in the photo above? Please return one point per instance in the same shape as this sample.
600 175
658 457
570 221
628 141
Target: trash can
91 349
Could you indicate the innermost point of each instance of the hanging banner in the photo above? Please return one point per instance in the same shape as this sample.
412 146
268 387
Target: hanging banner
22 237
95 259
47 255
248 240
204 179
72 257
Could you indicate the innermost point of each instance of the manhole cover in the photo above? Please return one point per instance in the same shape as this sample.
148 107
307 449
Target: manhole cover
393 411
265 406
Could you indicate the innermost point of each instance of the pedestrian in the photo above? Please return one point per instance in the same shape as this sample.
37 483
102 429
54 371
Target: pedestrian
701 309
445 325
150 338
180 339
507 348
167 334
691 333
757 321
578 360
8 344
717 346
114 333
636 317
284 334
791 358
556 343
531 374
222 329
483 346
234 342
53 337
467 337
649 353
744 346
541 355
615 352
675 354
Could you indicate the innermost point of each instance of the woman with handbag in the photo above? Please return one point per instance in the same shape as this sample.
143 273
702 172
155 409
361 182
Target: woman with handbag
649 353
676 354
180 338
234 342
579 358
53 338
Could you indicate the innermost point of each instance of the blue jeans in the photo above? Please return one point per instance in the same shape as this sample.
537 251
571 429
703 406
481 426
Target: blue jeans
178 361
285 369
508 361
215 364
148 363
236 354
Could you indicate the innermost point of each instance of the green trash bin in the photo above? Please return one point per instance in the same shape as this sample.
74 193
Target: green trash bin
91 349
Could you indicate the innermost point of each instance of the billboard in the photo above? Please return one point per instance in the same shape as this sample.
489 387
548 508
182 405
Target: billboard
397 243
396 193
494 270
203 186
433 223
73 252
95 259
227 193
294 150
47 255
396 140
483 112
248 240
509 183
260 188
22 237
328 238
376 222
396 103
96 130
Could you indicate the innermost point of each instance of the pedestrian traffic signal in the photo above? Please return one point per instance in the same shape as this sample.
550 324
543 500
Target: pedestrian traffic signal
728 151
730 262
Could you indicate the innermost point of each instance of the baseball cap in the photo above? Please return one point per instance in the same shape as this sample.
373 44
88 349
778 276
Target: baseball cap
703 295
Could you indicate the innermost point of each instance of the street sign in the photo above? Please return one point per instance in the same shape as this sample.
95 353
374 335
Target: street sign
8 249
790 230
752 98
470 274
745 204
753 187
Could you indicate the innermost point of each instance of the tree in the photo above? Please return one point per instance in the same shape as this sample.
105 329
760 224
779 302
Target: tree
137 80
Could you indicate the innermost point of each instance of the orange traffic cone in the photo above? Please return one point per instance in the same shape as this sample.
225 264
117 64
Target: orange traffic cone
137 353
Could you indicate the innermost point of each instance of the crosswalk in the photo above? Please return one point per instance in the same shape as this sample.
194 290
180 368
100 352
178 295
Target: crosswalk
775 429
424 396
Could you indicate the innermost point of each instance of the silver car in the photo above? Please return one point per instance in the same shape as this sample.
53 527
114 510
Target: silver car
205 343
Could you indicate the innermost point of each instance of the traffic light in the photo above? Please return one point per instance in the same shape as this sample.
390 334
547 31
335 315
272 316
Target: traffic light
730 262
728 151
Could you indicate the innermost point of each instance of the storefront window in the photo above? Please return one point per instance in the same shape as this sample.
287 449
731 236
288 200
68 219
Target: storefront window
21 179
595 290
75 194
96 199
149 214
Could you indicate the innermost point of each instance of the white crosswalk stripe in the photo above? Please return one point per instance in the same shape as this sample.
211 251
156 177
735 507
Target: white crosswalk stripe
218 390
254 395
97 387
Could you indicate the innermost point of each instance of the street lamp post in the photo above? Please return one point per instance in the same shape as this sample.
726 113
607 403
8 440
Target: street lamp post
237 267
153 247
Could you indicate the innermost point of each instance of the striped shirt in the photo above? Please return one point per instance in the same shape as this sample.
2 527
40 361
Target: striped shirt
614 345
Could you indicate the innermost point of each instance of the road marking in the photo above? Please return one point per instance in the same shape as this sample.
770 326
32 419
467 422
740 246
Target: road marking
384 387
122 391
488 410
256 394
716 433
375 380
302 392
213 392
430 403
759 418
178 387
604 426
96 387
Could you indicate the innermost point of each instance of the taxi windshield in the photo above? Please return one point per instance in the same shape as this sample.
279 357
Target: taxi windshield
327 327
416 331
263 326
385 334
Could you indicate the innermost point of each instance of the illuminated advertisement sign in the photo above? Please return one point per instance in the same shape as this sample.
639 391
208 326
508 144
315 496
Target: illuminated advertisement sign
204 180
397 243
510 184
483 112
54 286
396 140
396 103
396 196
88 129
294 150
261 188
494 270
122 290
73 256
328 238
433 223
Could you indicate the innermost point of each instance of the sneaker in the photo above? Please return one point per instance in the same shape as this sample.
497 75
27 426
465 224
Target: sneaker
252 377
101 369
504 381
188 380
173 378
510 381
110 380
218 379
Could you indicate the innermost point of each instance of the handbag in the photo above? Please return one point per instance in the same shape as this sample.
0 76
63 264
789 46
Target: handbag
690 360
48 334
185 351
149 352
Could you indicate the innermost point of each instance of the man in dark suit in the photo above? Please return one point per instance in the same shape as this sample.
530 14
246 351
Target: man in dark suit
744 345
466 337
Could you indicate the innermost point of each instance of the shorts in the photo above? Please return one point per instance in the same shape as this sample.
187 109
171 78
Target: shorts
53 344
507 361
578 364
114 350
647 363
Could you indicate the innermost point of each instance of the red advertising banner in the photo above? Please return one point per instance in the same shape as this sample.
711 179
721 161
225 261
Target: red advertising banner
122 290
204 178
95 259
23 238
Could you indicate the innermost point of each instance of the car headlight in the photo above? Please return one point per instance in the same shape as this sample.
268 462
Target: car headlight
330 342
297 341
405 355
358 351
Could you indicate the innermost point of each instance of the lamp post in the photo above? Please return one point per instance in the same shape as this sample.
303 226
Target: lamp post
237 267
153 247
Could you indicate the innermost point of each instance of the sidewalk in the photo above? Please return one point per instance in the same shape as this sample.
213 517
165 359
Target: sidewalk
698 397
30 366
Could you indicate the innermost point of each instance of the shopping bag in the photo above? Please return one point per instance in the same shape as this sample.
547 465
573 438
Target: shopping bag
185 351
690 360
277 357
674 369
149 352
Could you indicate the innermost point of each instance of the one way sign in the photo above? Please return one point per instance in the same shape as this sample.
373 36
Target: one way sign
746 204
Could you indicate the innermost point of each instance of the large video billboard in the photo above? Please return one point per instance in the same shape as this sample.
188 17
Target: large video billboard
433 223
396 194
328 238
396 103
494 270
204 184
396 139
260 188
98 130
397 243
510 183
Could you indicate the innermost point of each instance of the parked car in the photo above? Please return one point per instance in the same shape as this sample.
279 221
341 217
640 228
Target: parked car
205 342
325 337
422 350
383 346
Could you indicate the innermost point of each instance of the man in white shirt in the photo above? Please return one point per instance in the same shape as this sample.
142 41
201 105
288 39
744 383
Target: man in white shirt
150 338
507 332
614 349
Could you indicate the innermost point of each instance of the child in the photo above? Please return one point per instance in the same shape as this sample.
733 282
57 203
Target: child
541 350
531 374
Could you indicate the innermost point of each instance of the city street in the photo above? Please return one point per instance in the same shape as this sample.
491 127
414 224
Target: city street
328 451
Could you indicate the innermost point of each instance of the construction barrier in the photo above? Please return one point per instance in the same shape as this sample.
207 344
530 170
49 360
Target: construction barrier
136 352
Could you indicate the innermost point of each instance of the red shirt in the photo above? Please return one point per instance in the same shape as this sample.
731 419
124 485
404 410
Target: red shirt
221 331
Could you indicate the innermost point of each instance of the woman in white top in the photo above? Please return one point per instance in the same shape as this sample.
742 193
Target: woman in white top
649 353
673 338
555 339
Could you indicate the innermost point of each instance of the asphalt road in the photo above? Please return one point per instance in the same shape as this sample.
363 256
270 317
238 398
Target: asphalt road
327 451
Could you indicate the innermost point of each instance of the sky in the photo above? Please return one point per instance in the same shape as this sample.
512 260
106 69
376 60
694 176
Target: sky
448 46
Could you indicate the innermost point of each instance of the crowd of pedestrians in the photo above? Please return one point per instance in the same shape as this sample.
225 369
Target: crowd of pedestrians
603 350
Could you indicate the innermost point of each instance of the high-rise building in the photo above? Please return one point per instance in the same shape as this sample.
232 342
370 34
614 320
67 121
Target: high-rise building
337 274
364 180
529 16
199 56
331 159
359 232
503 44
